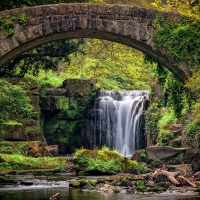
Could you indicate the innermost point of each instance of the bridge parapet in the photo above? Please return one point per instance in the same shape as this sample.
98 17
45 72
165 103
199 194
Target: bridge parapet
125 24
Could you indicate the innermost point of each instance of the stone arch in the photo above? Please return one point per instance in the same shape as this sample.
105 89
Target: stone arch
128 25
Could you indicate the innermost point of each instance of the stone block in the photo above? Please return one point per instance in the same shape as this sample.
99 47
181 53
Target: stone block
78 89
14 132
54 103
52 92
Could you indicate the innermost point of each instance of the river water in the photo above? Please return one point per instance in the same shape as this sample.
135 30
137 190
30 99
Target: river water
46 186
75 194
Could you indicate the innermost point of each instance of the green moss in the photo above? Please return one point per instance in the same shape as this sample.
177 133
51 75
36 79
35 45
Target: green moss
64 103
104 161
74 184
20 162
141 186
156 189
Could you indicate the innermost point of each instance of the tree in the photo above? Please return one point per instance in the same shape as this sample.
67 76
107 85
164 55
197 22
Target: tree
14 100
115 66
45 57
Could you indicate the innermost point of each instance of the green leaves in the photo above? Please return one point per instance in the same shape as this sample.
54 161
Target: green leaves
8 23
180 38
14 100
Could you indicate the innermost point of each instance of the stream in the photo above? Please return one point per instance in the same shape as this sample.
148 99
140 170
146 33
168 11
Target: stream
46 186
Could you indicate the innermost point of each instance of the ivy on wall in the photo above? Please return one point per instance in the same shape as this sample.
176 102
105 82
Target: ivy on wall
179 37
8 23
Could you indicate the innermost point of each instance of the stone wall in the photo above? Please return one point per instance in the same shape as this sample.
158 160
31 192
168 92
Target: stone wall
67 114
30 128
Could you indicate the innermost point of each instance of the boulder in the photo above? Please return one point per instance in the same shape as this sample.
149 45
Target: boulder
162 152
105 161
139 155
52 149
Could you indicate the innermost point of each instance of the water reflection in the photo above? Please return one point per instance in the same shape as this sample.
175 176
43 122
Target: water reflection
75 194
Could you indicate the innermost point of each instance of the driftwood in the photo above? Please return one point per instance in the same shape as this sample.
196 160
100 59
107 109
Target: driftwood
55 196
170 175
184 181
177 178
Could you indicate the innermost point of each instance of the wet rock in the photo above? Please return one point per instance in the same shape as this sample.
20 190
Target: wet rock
162 152
26 182
131 190
126 183
156 189
7 180
101 180
74 184
163 185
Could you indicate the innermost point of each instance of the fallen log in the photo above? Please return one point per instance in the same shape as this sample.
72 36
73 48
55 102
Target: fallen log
55 196
170 175
184 180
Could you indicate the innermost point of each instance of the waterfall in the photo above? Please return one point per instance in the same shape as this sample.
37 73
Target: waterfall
118 120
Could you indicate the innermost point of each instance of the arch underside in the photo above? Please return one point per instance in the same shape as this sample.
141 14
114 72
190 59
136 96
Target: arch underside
91 33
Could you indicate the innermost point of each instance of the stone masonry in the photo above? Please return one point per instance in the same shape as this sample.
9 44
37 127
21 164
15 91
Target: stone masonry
128 25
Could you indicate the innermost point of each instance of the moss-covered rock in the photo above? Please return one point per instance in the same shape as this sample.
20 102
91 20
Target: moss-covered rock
156 189
104 161
7 180
74 184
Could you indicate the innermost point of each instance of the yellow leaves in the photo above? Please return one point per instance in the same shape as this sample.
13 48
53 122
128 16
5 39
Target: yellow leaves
193 82
116 66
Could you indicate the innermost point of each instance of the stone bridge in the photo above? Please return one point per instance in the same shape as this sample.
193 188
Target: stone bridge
128 25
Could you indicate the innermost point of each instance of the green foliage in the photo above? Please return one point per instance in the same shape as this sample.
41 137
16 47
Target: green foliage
14 157
177 37
20 162
43 58
165 135
48 79
12 122
141 185
115 66
174 94
168 117
14 100
192 128
13 148
97 160
142 155
8 23
152 117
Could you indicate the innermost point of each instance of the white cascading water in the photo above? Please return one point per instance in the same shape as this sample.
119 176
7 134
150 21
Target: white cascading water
118 119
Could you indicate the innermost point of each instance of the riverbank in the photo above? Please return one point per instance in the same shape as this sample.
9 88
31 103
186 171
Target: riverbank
47 185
